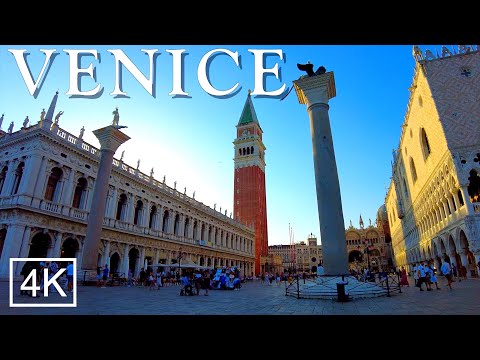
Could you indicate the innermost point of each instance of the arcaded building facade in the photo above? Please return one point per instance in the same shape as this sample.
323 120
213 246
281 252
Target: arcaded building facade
433 201
47 176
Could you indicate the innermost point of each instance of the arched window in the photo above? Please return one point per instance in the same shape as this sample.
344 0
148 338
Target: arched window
248 151
138 213
18 177
3 175
53 184
425 145
122 203
251 150
176 224
79 196
195 230
460 197
413 170
165 221
153 212
187 225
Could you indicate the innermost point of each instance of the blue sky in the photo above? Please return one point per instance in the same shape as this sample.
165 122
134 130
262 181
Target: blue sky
189 140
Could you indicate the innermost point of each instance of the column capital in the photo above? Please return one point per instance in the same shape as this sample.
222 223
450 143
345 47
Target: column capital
110 138
313 90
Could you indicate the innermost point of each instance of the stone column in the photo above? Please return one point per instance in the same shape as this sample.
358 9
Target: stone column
130 209
24 249
157 256
110 139
315 91
466 199
9 178
58 245
171 221
30 175
113 204
141 262
40 183
145 214
69 189
11 248
464 259
126 261
106 254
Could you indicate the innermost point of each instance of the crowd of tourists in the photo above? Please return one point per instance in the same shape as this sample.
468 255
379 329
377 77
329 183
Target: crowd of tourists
225 278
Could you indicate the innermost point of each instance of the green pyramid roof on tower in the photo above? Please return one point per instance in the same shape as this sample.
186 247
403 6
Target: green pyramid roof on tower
248 113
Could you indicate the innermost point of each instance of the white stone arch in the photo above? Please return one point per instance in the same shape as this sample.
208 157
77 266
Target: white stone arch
442 244
463 241
115 268
452 244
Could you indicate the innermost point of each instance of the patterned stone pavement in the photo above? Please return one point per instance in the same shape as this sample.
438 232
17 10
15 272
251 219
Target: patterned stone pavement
254 299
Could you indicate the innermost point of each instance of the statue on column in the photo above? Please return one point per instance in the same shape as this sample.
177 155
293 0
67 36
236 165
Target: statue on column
220 210
10 128
57 117
116 117
308 68
82 130
25 122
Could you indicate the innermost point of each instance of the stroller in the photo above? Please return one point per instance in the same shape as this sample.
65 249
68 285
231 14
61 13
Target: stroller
187 287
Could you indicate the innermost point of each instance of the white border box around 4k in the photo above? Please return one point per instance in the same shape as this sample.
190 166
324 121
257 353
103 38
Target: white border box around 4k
51 282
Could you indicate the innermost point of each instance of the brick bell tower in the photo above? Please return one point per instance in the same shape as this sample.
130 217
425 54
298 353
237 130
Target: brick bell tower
249 199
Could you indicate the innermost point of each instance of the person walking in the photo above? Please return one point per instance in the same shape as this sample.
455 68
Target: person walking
70 276
403 278
447 271
433 277
206 281
106 270
415 274
422 277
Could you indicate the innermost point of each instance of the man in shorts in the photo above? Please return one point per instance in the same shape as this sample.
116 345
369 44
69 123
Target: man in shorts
447 271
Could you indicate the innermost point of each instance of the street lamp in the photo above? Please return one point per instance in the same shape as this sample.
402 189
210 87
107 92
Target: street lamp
180 256
367 251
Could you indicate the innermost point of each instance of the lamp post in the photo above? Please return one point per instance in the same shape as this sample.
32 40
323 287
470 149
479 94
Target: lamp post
180 256
367 251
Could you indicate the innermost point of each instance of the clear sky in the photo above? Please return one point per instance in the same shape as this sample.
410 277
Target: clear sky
189 140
